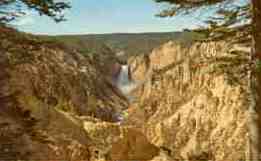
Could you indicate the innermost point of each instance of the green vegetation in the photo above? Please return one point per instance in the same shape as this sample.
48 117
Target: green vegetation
239 21
130 44
64 106
229 19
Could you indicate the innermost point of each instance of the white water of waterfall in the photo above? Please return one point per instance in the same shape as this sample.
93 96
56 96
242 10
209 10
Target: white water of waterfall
124 83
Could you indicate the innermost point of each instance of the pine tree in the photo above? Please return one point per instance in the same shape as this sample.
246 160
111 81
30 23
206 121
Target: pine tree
240 20
11 9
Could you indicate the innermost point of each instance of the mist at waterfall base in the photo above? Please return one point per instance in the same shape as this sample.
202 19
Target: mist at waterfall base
125 85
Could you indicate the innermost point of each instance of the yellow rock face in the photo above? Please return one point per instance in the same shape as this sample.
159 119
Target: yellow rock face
188 105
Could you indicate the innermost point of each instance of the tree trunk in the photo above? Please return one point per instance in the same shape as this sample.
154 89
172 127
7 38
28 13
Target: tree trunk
255 85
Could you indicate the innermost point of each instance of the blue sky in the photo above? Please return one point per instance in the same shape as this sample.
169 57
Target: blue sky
106 16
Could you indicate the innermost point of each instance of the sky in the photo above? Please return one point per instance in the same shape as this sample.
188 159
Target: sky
106 16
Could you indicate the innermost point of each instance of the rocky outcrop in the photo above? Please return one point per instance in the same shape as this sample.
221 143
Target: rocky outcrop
113 142
45 89
189 107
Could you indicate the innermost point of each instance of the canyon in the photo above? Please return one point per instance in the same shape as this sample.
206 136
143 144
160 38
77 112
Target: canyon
176 103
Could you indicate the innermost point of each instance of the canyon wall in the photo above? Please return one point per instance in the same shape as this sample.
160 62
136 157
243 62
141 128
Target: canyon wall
46 91
189 103
189 107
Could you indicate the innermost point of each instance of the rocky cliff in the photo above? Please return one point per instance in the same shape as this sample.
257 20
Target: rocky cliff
58 105
45 92
188 107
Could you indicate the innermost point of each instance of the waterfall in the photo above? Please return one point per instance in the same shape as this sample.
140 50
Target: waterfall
124 83
123 79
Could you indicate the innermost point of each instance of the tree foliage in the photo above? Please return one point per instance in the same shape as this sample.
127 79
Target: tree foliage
11 9
226 20
231 18
239 21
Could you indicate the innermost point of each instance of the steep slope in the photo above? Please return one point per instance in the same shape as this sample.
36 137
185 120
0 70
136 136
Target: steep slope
188 107
45 94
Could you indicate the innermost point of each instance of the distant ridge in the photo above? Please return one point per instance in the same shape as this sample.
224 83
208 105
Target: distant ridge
111 33
130 43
